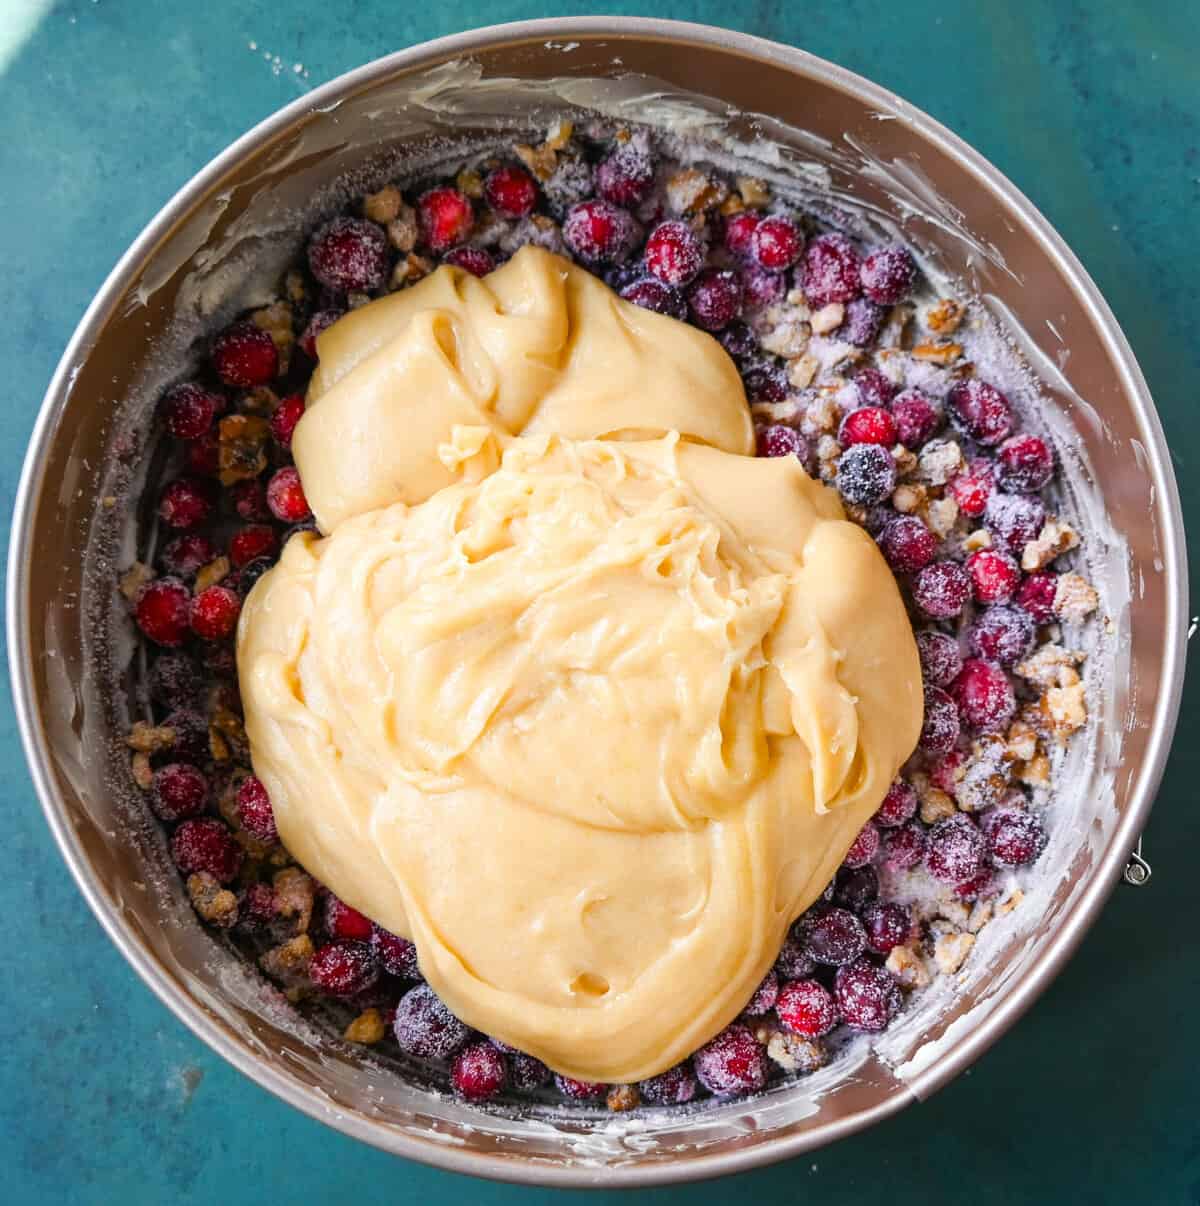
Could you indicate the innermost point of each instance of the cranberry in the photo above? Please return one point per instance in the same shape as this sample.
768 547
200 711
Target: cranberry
445 218
994 576
763 1000
525 1073
947 772
957 850
285 496
187 553
674 253
916 418
731 1063
941 590
1026 464
899 805
978 886
625 177
259 904
739 231
867 425
980 410
867 997
972 488
777 439
185 503
1036 595
178 791
249 543
833 936
887 925
598 232
715 299
765 382
856 887
738 340
830 270
941 726
864 848
654 295
349 254
245 356
675 1086
343 968
887 275
806 1007
258 817
873 388
941 659
866 474
214 613
284 418
189 734
511 192
1015 519
321 321
203 455
244 579
904 848
794 961
425 1027
580 1090
1002 634
1016 836
479 1072
398 955
175 680
250 500
161 611
862 322
474 260
984 696
206 844
188 410
907 544
776 243
761 288
343 922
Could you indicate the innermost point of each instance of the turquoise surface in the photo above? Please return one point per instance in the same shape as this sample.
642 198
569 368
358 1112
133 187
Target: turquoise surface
107 107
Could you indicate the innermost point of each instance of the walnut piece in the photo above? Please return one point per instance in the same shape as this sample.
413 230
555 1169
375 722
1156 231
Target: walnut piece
1074 598
1051 666
801 372
1067 709
828 318
212 573
295 893
938 353
622 1098
936 806
908 967
944 317
691 192
367 1028
402 230
979 539
384 206
1052 541
134 578
215 904
796 1054
288 961
755 193
940 460
150 738
241 447
908 498
1035 772
1010 902
142 771
941 515
951 950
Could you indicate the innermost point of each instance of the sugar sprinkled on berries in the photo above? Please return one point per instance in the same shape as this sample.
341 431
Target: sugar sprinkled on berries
244 356
715 299
349 254
867 425
834 936
941 589
1036 595
185 503
188 410
285 496
907 544
899 805
653 295
941 658
599 232
1015 836
1025 464
214 613
674 253
941 725
510 191
675 1086
887 275
866 474
956 850
994 575
206 844
732 1063
984 696
425 1027
257 815
1002 634
980 410
161 611
178 791
915 416
445 218
397 955
888 925
776 242
806 1007
479 1072
830 270
867 996
343 968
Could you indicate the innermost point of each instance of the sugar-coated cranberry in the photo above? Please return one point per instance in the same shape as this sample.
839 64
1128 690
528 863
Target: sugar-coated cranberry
284 418
185 503
980 410
179 790
244 356
285 496
653 295
984 696
188 410
674 253
956 849
765 382
994 575
398 955
978 887
867 996
1015 519
806 1007
1002 634
214 613
189 734
761 288
321 321
479 1072
1025 464
830 270
888 925
343 922
856 887
887 275
1036 595
866 474
907 544
249 500
349 254
941 589
206 844
738 340
867 425
873 388
972 488
445 218
864 848
675 1086
175 680
203 455
862 322
776 242
626 175
243 580
510 191
425 1027
1015 835
715 299
253 541
941 658
763 1000
941 726
185 554
947 771
739 232
833 936
904 848
259 904
731 1063
525 1073
898 807
343 968
777 439
161 611
794 962
474 260
598 232
258 817
916 418
581 1090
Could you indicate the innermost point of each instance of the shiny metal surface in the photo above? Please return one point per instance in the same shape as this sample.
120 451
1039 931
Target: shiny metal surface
69 731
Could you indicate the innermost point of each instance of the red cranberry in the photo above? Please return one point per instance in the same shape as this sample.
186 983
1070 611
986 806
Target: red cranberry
343 968
341 921
957 850
806 1007
947 772
525 1073
867 425
907 544
866 474
511 192
188 410
776 243
179 791
715 299
674 253
862 322
761 288
899 805
864 848
214 613
425 1027
765 382
175 680
161 611
887 925
250 501
398 955
625 177
994 576
203 455
284 418
941 659
580 1090
321 321
731 1063
1016 837
244 356
856 887
205 844
873 388
259 904
1036 595
830 270
978 886
916 418
738 340
445 218
654 295
1026 464
941 590
185 503
739 231
941 727
834 936
777 439
794 961
243 580
285 496
1002 634
887 275
474 260
598 232
249 543
479 1072
189 734
867 997
1015 519
984 696
763 1000
258 817
972 488
904 848
349 254
980 410
675 1086
187 553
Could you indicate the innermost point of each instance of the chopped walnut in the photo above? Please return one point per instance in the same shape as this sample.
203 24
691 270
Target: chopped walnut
134 578
941 515
622 1098
936 805
828 318
228 726
470 182
1021 741
828 451
783 330
1051 666
801 372
981 914
541 160
731 205
559 134
295 893
1067 709
979 539
908 967
356 299
820 415
953 911
951 950
261 400
293 286
241 450
937 353
1054 539
944 317
906 461
215 904
1010 902
796 1054
411 269
150 738
755 193
691 192
1034 772
367 1028
940 460
142 771
277 320
212 573
402 230
288 961
908 498
1074 598
384 206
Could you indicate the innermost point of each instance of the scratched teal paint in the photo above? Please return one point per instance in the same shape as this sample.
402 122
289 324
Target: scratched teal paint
110 106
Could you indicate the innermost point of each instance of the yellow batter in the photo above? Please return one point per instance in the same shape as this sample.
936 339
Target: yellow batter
575 693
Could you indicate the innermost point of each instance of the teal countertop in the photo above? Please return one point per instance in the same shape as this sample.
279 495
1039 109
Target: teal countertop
108 106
